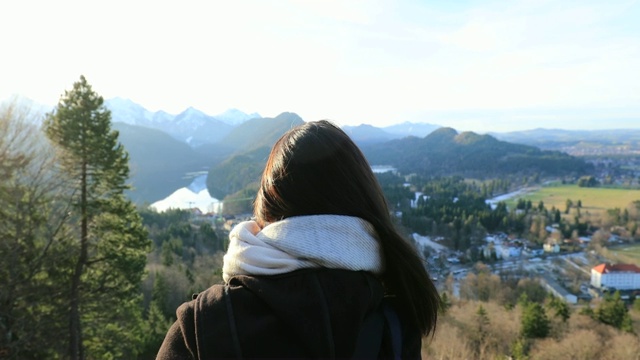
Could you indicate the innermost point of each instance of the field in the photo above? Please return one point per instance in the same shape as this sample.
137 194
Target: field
595 201
628 252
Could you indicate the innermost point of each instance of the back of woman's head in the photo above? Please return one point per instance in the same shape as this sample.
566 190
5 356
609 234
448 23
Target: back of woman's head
316 169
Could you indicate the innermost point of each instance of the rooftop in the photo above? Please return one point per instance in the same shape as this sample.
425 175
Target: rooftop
608 268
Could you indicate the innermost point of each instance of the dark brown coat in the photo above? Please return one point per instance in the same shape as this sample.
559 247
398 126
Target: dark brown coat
315 313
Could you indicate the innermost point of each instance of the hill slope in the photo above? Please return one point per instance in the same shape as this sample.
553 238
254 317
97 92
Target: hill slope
259 132
158 162
250 143
445 152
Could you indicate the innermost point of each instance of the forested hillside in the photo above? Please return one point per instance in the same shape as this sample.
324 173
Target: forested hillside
235 173
259 132
251 142
158 162
444 152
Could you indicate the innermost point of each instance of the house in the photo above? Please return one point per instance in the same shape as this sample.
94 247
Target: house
584 240
509 250
488 251
552 248
619 277
534 251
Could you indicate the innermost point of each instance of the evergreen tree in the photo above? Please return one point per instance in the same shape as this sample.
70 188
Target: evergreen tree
157 323
569 205
480 331
111 243
535 323
445 303
557 218
520 349
560 308
613 311
31 253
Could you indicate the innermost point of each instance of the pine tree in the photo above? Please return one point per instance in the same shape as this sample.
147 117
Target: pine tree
158 319
560 307
445 303
613 311
111 241
535 323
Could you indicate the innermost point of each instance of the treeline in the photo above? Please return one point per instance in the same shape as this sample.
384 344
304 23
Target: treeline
511 316
625 222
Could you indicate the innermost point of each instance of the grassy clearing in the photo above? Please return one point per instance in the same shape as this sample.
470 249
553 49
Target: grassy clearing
595 201
628 252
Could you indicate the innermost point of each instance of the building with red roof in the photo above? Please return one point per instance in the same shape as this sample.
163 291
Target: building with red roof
618 276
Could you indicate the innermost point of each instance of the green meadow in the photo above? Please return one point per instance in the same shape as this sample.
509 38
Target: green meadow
595 201
631 251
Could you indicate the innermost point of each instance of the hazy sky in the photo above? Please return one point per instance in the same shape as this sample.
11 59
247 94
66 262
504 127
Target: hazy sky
476 65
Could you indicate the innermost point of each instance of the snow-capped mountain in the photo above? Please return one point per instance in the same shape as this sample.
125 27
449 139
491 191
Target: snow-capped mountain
191 126
236 117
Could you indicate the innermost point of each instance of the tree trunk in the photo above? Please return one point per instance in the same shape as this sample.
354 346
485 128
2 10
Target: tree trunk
75 329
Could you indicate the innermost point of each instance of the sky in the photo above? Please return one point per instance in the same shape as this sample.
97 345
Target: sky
472 65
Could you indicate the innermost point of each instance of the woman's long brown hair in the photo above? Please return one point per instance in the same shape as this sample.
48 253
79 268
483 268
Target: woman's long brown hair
315 169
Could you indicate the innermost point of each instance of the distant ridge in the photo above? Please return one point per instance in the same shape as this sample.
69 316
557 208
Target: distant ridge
543 136
367 134
259 132
251 143
446 152
411 129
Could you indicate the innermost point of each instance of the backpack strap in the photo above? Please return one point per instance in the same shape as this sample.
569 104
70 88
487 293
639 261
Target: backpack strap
370 337
393 324
372 330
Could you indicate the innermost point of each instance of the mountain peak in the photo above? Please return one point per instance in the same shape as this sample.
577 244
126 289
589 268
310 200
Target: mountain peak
289 116
236 117
191 111
469 137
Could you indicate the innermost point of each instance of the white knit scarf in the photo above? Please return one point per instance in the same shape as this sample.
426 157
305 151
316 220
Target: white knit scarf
331 241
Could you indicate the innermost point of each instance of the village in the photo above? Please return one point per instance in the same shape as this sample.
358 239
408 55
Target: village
576 276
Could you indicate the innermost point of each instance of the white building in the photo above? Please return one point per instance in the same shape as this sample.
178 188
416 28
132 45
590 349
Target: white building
619 276
552 248
508 251
557 290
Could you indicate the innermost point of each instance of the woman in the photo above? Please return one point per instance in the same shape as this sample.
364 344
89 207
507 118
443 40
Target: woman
320 273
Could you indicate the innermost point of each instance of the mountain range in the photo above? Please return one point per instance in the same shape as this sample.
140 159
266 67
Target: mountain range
167 151
191 126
